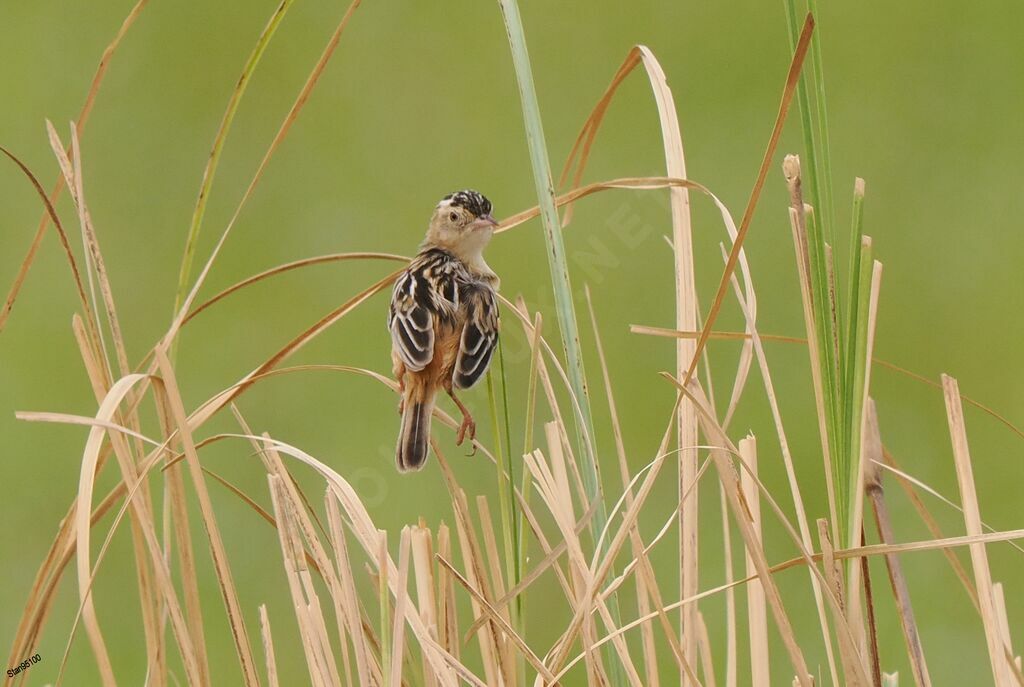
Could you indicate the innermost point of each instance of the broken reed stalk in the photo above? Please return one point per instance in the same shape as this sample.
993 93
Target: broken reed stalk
972 519
791 170
900 588
757 612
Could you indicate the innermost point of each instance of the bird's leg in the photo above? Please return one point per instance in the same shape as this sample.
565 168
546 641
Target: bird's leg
468 426
400 376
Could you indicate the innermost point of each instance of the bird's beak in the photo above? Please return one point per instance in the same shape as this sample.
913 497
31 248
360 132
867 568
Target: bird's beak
484 222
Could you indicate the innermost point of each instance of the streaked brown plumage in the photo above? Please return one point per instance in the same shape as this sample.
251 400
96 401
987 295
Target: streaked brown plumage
443 320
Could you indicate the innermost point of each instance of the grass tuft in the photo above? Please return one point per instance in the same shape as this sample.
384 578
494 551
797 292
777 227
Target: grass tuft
435 604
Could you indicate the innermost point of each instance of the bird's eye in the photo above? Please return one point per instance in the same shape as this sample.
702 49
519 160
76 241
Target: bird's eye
453 216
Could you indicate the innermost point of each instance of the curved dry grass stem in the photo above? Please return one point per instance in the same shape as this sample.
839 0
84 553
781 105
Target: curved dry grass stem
288 267
745 336
76 275
791 81
224 576
83 528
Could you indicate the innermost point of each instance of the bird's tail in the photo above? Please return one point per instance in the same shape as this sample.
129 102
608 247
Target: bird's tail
414 435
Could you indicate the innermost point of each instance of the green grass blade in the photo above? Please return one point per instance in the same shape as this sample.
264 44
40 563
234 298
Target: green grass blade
822 116
531 406
809 160
853 305
557 262
827 305
559 267
511 477
506 490
859 364
824 335
218 146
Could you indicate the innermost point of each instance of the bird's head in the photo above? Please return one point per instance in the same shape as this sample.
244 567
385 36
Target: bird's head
462 224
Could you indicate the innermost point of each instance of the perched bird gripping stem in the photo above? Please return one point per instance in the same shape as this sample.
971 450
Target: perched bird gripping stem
443 320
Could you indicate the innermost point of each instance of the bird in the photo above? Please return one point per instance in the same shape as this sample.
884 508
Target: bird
443 320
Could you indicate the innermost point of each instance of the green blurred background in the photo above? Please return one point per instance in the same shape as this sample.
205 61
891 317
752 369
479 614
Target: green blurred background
925 101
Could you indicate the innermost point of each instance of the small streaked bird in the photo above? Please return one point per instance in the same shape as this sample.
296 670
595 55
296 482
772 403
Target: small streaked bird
443 320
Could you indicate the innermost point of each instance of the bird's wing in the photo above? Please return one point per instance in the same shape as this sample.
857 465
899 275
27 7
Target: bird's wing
479 335
411 321
425 292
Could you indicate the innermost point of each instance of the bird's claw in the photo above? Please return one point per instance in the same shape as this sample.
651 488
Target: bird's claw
468 427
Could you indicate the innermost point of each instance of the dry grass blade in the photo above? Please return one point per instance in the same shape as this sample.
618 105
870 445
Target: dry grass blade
746 336
93 253
853 535
83 117
686 313
787 459
972 519
833 574
287 267
900 589
730 597
646 588
686 352
498 618
75 274
741 516
427 600
791 80
224 578
143 528
217 403
398 630
867 319
598 576
908 480
367 535
178 513
797 220
494 564
350 601
100 373
757 612
999 599
707 664
142 522
294 566
268 647
86 482
857 552
490 638
448 620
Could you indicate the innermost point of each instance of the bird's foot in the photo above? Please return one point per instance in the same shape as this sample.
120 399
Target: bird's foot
467 428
